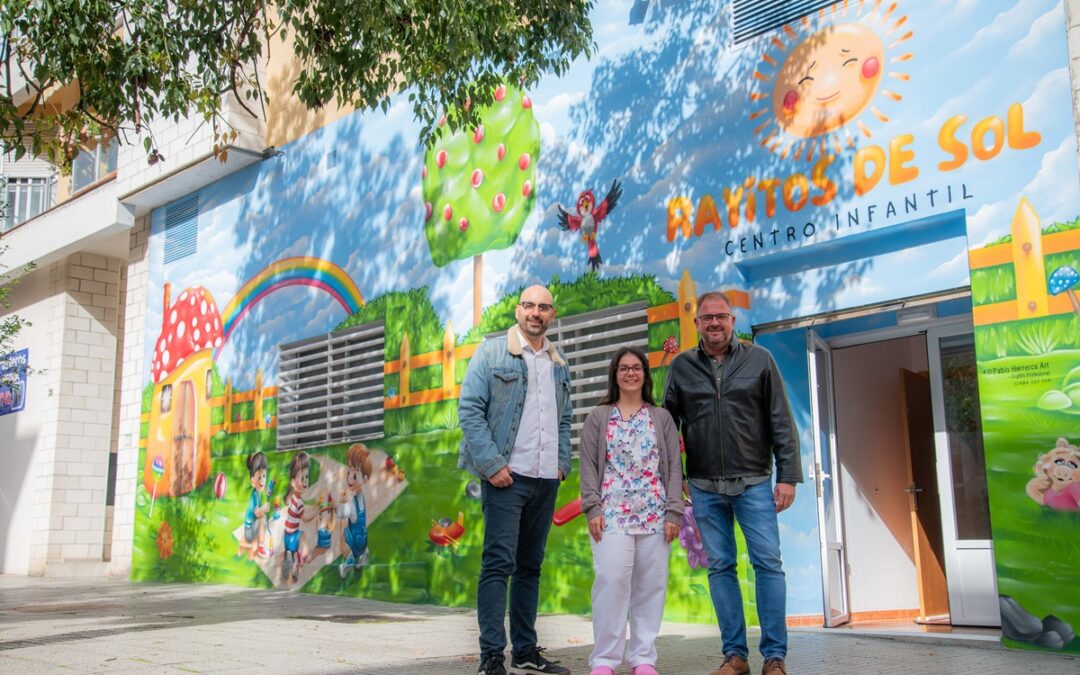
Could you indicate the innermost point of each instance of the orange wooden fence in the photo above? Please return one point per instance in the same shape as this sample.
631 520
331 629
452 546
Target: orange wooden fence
1026 252
683 309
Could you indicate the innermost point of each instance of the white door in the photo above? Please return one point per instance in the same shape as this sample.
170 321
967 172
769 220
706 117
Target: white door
833 554
965 511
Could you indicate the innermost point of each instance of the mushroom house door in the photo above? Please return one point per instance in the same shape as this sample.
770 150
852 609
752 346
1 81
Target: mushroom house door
184 459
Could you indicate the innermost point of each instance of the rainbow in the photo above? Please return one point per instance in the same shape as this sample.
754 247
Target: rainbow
300 271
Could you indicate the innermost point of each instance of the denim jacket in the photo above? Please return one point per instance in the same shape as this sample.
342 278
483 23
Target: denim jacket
492 398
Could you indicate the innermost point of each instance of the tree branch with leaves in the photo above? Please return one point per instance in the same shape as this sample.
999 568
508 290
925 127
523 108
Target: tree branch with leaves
127 64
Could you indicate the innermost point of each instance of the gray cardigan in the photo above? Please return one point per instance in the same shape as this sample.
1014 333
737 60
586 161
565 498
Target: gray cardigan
594 460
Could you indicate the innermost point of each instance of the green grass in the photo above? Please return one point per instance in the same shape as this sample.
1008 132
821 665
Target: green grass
429 377
993 284
1031 337
405 565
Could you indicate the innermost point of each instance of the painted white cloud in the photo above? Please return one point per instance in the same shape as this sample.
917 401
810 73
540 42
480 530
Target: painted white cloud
1042 29
1052 192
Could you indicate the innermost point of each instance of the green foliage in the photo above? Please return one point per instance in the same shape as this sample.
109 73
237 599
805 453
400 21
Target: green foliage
1067 258
144 60
587 293
429 377
420 419
404 312
243 442
10 324
998 283
147 397
993 284
1041 337
478 184
1031 337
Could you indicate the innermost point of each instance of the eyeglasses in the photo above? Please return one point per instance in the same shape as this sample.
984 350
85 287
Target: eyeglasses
624 369
530 306
709 318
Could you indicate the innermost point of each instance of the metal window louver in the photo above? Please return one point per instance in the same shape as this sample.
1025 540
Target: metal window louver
181 228
331 387
751 18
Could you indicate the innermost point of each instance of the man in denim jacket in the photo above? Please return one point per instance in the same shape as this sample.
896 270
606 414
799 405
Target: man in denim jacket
515 414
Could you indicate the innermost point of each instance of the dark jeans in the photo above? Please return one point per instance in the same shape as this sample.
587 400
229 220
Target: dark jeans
756 515
516 523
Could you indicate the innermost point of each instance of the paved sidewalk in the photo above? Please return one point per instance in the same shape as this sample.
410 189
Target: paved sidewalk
111 626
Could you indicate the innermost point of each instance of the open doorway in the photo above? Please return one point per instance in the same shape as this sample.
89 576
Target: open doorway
903 512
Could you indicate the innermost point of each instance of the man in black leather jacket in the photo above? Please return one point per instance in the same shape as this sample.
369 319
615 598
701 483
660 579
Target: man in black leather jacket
727 397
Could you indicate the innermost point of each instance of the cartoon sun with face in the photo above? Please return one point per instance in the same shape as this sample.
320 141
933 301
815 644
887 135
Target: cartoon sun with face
828 79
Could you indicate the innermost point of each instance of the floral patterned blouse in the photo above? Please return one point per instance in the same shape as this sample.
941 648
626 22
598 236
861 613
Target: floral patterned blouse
631 493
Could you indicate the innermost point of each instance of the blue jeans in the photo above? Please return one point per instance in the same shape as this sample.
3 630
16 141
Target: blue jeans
756 514
516 523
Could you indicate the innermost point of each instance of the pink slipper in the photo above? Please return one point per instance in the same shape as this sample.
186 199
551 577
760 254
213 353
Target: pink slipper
601 670
646 669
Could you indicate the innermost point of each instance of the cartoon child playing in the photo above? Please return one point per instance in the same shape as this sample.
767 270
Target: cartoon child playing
254 517
353 510
299 471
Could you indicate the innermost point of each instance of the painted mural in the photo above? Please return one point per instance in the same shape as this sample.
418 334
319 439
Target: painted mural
868 152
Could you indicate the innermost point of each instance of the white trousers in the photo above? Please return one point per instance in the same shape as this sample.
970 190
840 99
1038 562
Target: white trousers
631 582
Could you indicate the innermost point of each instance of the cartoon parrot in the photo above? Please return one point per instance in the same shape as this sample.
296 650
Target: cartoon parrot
590 214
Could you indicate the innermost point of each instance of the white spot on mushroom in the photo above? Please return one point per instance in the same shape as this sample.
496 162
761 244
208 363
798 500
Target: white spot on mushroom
172 317
217 342
180 330
202 307
170 338
195 334
182 296
206 327
165 357
179 361
192 301
217 326
194 321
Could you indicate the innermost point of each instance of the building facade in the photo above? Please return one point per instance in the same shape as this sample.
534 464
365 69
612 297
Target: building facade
889 192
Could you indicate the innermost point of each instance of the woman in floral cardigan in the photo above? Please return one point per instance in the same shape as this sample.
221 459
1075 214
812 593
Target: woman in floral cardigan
631 494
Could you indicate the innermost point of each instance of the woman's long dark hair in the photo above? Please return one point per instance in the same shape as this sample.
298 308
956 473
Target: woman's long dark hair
612 396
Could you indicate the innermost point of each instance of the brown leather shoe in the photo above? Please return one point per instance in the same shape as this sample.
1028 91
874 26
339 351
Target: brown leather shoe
774 667
733 665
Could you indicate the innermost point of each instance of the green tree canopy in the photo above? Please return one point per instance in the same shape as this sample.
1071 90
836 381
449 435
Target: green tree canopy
139 60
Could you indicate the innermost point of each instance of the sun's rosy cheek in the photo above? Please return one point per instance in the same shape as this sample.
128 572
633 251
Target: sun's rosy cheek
791 99
870 67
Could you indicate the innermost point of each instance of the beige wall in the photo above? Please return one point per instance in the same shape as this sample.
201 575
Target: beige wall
286 118
877 522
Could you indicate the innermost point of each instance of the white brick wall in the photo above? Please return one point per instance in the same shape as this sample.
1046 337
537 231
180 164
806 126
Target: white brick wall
130 406
71 461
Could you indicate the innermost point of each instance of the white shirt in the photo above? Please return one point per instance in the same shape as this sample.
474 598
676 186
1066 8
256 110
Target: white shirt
536 447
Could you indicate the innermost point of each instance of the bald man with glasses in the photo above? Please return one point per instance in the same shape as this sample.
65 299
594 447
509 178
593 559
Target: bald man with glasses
727 398
515 415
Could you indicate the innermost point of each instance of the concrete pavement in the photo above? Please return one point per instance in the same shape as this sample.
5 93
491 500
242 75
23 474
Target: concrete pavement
115 626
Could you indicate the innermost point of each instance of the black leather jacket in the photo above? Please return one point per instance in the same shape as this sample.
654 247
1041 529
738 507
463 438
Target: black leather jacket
738 431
